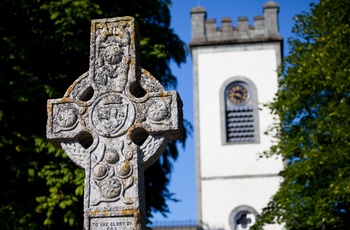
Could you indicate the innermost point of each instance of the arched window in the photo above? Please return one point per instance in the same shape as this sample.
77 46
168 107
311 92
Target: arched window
240 121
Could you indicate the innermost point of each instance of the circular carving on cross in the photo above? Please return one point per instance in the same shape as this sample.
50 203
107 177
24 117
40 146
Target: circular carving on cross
111 188
112 114
67 117
112 55
158 111
112 156
124 169
100 171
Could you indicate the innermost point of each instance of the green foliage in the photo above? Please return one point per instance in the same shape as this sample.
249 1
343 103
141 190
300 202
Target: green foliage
314 110
44 48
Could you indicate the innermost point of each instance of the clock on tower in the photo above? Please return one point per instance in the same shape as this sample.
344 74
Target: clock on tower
237 93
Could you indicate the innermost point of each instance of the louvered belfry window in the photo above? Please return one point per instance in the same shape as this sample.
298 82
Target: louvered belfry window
240 124
240 113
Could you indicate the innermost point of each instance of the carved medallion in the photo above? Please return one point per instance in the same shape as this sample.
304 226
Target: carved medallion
112 114
66 117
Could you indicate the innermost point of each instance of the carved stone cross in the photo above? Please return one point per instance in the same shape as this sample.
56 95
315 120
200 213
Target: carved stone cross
114 121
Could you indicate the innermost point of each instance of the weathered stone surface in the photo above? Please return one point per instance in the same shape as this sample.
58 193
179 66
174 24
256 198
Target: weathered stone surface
114 121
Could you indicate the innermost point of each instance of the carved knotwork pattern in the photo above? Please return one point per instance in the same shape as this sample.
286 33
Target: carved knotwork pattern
75 151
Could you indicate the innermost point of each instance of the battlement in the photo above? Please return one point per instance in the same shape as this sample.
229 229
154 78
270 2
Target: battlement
205 31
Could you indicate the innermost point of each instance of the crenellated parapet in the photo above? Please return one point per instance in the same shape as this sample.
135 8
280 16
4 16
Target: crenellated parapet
205 31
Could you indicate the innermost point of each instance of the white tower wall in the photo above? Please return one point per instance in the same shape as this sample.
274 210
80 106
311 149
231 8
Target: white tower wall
231 175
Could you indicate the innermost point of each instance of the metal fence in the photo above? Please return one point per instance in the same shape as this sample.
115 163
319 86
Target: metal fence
174 225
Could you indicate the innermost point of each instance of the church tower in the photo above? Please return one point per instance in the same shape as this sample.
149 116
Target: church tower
235 74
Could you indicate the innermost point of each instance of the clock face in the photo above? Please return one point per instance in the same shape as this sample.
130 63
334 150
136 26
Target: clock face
238 94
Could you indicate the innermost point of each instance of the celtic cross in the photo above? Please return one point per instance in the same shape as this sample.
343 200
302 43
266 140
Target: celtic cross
114 121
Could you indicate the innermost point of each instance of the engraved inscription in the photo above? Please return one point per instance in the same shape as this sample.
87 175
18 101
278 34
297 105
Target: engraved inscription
107 223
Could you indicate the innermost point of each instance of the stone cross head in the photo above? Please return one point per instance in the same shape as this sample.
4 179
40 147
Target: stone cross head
114 121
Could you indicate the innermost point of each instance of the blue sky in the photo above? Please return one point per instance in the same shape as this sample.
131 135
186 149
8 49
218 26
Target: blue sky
183 177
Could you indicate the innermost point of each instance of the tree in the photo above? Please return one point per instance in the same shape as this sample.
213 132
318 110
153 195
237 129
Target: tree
44 48
313 106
